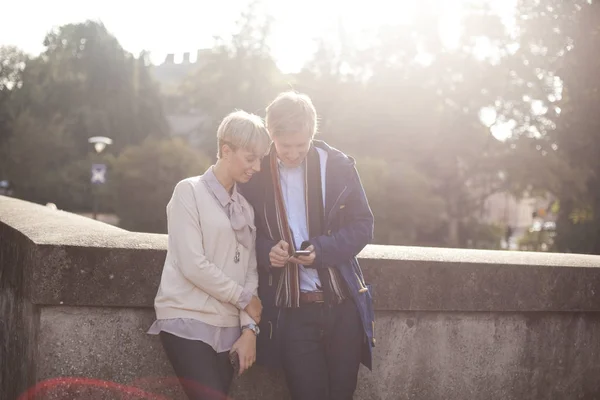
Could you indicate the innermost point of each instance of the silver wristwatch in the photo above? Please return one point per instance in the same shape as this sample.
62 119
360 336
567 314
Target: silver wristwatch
253 327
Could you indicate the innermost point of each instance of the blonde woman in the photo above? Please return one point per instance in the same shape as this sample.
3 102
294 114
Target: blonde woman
206 305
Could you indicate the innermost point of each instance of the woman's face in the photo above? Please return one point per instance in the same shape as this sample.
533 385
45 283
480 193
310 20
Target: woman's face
242 164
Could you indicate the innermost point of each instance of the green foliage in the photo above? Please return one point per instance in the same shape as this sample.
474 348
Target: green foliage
537 241
423 120
568 35
426 159
144 177
84 84
12 64
477 235
38 151
400 196
86 76
240 74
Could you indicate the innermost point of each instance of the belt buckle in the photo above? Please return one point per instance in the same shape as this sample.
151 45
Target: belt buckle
323 296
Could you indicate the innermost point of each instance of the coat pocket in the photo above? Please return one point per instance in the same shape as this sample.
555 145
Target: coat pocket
370 311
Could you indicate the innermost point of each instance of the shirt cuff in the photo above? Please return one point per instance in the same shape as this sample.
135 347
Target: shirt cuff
244 299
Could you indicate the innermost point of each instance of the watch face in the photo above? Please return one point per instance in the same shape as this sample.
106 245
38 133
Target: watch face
254 328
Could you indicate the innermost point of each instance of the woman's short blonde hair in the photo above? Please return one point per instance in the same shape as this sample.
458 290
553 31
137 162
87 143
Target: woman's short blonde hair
291 112
242 130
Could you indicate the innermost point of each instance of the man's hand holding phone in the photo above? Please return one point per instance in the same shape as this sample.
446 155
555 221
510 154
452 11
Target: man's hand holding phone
304 257
279 255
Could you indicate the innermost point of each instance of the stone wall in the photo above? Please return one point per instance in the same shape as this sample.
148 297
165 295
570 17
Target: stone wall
76 298
19 318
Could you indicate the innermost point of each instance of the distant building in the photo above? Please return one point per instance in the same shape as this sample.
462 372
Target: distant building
171 74
193 126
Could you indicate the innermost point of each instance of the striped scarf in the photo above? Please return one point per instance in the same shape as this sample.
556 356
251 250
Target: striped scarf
288 286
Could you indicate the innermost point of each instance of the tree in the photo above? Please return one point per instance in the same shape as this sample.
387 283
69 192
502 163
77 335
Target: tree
38 151
144 177
406 208
86 76
556 146
84 84
410 100
12 64
577 133
238 74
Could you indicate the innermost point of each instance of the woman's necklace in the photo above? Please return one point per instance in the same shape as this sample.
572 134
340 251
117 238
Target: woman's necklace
236 258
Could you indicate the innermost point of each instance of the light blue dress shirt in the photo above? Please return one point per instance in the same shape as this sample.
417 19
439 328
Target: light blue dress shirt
292 187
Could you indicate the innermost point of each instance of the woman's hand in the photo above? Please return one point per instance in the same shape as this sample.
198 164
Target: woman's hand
254 309
245 347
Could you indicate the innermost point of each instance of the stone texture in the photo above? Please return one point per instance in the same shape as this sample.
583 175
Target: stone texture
18 316
76 298
426 285
504 356
80 261
420 355
79 275
111 344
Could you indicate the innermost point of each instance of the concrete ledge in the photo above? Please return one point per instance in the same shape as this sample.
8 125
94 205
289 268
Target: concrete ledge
79 261
76 299
421 279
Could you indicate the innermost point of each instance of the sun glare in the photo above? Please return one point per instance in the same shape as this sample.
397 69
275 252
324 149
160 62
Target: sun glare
298 26
359 21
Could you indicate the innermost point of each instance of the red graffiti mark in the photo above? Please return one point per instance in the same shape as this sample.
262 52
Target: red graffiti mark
91 388
45 387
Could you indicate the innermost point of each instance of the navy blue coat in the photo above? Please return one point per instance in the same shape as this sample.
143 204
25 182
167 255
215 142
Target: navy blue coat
348 227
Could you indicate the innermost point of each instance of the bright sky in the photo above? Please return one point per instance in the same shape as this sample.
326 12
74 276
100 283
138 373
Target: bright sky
177 26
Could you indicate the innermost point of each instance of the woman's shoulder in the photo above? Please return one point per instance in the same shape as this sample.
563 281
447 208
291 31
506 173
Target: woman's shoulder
192 186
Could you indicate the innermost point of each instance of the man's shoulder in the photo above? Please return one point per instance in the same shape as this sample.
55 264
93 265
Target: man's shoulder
335 157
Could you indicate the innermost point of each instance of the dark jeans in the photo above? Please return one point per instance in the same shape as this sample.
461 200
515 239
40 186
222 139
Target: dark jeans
322 351
203 373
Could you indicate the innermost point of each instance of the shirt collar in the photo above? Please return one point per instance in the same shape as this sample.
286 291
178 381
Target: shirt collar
219 190
283 167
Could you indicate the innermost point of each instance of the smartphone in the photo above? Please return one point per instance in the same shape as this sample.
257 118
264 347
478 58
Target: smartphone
234 359
302 253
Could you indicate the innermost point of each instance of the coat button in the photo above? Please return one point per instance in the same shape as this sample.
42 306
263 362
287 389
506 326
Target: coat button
342 206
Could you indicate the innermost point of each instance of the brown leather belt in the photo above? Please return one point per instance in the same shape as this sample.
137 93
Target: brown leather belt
312 297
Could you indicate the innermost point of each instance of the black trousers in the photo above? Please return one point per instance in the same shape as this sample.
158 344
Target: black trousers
203 373
321 351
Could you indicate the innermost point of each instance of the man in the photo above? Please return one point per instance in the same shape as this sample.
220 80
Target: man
317 320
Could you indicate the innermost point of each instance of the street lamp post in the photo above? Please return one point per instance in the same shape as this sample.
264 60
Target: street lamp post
98 170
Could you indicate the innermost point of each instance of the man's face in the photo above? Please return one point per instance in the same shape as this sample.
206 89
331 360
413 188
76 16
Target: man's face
292 148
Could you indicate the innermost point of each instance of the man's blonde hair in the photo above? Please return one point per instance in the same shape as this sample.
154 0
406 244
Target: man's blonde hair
242 130
291 112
